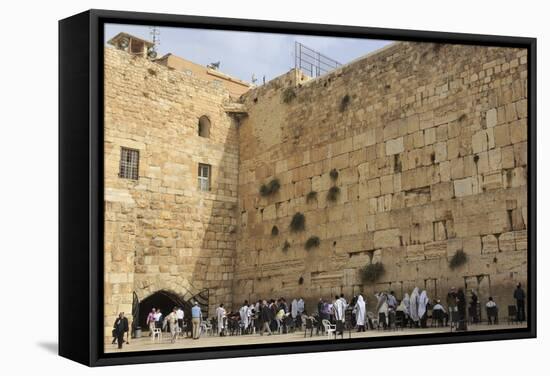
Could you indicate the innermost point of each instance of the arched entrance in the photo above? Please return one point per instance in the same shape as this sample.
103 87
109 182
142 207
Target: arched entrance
166 300
163 300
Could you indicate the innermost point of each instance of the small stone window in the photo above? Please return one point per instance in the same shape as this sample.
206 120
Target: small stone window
129 163
205 171
204 126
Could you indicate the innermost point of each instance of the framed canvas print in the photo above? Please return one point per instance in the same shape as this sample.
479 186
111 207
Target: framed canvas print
240 187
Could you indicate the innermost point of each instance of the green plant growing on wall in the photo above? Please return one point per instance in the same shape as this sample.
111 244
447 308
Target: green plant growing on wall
270 188
458 259
275 231
333 174
312 242
372 272
311 196
344 102
286 246
333 193
298 222
288 95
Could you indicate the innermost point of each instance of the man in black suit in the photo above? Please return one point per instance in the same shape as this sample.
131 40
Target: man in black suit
119 328
519 295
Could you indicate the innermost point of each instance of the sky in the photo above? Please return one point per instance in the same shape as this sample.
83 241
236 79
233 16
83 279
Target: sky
243 54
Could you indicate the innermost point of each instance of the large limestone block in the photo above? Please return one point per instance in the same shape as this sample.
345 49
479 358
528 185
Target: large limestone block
435 249
489 244
472 245
520 154
463 187
507 242
442 191
491 118
521 240
394 146
491 181
387 238
518 131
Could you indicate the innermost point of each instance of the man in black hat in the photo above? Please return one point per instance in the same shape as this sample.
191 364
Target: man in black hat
119 328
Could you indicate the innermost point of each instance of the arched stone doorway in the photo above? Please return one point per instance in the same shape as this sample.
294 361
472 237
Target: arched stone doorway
163 300
166 300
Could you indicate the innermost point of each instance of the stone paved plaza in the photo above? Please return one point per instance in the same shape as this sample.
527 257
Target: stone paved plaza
145 343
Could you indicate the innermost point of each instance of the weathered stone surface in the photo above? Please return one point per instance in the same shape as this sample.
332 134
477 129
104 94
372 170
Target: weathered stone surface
426 167
394 146
387 238
463 187
491 118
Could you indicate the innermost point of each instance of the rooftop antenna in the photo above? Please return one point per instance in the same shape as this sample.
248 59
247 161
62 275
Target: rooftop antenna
154 32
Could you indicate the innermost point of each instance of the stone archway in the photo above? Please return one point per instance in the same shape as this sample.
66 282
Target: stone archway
165 301
165 296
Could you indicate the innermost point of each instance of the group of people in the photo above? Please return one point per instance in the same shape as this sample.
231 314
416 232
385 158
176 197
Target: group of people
276 315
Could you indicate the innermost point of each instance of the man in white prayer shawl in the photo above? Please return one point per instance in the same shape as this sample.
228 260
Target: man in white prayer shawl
339 309
422 308
414 306
382 307
360 311
294 308
245 317
407 304
220 315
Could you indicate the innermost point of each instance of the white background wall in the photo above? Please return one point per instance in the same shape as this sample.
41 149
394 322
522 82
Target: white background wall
28 185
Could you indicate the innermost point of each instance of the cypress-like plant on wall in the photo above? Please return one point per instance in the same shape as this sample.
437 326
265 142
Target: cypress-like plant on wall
298 222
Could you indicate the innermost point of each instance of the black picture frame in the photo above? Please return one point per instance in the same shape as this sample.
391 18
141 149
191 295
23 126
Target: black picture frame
81 185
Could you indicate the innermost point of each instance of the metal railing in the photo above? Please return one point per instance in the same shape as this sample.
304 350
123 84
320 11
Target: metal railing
312 62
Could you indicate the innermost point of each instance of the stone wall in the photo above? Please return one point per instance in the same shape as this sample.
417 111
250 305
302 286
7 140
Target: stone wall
430 145
161 232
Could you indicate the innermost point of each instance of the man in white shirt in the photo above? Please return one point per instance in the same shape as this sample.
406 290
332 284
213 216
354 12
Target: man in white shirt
492 311
157 316
443 315
180 315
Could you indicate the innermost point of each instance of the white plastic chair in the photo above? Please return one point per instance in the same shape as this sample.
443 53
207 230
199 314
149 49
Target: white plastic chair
329 328
373 319
157 332
206 327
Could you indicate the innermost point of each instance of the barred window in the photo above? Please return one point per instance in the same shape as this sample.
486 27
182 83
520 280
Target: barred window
204 177
129 163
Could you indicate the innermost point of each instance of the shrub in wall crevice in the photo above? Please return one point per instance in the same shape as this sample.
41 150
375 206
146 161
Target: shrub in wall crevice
372 272
312 242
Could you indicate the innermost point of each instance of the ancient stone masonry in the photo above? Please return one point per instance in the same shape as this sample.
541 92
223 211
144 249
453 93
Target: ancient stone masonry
430 145
427 145
161 232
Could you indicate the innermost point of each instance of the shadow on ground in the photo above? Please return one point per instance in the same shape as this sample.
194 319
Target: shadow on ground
50 347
